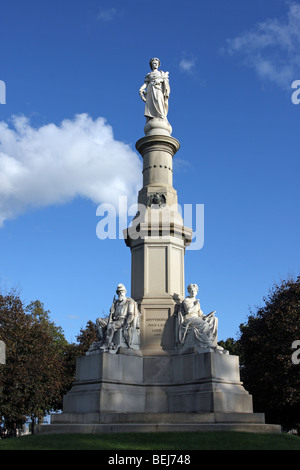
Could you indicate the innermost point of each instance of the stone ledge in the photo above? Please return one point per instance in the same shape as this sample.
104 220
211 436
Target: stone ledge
134 427
157 418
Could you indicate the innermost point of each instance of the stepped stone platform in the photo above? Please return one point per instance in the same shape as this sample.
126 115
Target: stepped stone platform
190 392
158 422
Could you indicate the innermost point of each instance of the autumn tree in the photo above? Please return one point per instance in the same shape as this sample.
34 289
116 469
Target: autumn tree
35 376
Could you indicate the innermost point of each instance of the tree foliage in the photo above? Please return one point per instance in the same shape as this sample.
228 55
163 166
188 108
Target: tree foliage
40 363
231 345
86 337
37 371
266 353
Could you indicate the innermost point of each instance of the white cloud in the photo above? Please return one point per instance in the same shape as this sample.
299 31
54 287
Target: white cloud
187 64
272 48
107 14
53 164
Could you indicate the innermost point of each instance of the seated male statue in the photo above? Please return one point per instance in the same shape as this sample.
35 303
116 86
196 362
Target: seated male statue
124 316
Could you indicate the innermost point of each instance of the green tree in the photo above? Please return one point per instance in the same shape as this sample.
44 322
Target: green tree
266 347
36 374
13 324
42 317
231 345
86 337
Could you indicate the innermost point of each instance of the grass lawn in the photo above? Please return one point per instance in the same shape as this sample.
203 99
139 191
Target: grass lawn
155 441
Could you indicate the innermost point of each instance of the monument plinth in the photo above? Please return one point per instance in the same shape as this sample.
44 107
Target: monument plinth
157 365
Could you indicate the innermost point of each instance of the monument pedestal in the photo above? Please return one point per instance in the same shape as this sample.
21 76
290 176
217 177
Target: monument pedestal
185 383
172 392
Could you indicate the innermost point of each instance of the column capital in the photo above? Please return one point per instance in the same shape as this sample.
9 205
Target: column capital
157 142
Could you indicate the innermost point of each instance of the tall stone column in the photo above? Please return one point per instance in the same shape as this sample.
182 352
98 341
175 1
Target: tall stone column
157 239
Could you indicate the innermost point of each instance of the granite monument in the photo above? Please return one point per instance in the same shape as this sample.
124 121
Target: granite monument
157 365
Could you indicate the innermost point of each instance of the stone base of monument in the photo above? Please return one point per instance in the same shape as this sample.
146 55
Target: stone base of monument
171 392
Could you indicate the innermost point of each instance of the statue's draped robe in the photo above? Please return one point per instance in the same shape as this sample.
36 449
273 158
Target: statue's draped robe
123 312
192 320
157 95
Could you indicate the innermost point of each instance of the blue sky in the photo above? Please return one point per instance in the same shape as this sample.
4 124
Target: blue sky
72 71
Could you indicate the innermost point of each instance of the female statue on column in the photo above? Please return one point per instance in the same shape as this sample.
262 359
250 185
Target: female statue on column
155 92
